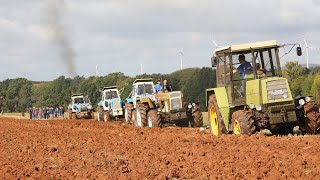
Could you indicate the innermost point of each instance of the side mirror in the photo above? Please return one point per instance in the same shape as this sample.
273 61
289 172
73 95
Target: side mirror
214 61
299 52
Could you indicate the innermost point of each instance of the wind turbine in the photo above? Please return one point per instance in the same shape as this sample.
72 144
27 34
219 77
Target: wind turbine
181 57
141 68
97 70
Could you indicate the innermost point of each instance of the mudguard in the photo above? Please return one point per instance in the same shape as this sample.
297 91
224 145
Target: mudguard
129 100
100 104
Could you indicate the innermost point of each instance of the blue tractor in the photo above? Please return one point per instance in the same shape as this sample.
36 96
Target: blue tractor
111 105
80 107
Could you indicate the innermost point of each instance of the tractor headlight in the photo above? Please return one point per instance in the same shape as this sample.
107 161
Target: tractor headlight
258 108
302 102
251 106
308 99
189 106
193 104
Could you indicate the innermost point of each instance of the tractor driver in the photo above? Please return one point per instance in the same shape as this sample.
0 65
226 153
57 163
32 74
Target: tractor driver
158 87
244 67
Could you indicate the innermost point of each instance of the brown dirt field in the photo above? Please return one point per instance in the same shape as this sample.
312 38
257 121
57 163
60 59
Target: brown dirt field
64 149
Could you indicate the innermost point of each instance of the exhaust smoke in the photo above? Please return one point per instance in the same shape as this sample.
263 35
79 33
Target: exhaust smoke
54 11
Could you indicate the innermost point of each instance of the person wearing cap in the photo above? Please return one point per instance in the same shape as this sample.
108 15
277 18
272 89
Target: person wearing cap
158 86
166 86
244 67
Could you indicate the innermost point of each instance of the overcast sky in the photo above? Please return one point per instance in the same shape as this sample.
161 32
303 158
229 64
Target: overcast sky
119 35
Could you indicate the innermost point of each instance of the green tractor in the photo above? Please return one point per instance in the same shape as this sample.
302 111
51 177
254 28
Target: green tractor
251 94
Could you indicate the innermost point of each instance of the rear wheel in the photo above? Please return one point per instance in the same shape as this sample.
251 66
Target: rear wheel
217 126
154 118
243 123
311 110
128 112
134 117
106 116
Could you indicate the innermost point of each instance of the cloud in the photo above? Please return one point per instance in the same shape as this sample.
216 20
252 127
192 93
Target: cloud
119 35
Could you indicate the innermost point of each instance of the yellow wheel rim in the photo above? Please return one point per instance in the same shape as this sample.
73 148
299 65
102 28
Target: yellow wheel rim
236 127
214 122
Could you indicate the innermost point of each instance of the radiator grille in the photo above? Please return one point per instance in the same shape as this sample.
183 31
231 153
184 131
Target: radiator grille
277 90
116 104
176 104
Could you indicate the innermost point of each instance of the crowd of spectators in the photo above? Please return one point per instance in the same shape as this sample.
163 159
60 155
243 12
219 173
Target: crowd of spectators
46 113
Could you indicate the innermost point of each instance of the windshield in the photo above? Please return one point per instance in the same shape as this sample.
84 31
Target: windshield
145 89
78 100
111 94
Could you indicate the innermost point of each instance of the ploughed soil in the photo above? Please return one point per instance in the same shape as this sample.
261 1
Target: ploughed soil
87 149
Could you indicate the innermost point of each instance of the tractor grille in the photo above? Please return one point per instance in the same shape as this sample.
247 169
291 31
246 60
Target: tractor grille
83 108
277 90
175 104
116 104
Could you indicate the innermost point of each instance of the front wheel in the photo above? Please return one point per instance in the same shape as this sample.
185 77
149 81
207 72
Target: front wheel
198 118
106 116
73 116
311 110
243 123
154 118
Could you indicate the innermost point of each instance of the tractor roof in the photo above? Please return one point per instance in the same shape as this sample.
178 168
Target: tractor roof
110 87
143 80
74 95
247 47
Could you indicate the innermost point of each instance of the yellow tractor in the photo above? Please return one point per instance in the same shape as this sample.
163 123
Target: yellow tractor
251 94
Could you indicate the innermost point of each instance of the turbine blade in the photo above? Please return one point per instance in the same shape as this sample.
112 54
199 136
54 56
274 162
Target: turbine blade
305 42
215 43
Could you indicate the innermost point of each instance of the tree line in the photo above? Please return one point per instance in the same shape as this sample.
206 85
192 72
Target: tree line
20 94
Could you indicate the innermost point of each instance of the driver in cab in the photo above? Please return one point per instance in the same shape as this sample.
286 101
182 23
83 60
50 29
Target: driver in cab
244 67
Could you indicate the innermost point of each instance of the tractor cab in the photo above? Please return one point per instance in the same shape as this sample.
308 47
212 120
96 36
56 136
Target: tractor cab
142 89
238 65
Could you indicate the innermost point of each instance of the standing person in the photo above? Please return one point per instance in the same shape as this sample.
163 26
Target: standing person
166 85
62 112
40 113
158 86
36 113
1 100
45 113
30 113
56 112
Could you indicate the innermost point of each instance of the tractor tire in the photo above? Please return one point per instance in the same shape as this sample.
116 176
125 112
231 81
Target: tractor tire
69 114
128 113
100 113
311 110
134 118
243 123
141 115
106 116
217 126
73 116
197 117
154 119
92 115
